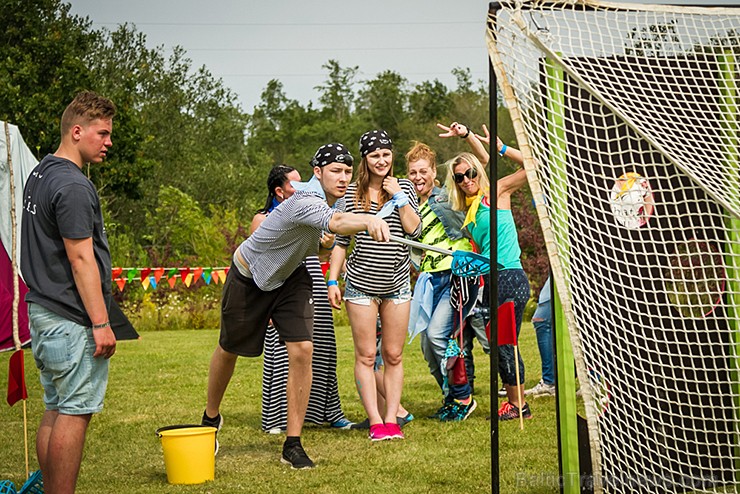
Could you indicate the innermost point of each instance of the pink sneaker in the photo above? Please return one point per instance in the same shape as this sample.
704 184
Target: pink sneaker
394 431
379 432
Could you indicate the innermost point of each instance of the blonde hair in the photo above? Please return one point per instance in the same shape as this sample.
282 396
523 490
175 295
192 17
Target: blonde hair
457 197
86 107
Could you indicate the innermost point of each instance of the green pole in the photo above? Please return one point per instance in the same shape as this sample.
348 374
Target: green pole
565 365
728 77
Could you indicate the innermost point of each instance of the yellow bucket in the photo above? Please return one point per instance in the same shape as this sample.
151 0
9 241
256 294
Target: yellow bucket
189 453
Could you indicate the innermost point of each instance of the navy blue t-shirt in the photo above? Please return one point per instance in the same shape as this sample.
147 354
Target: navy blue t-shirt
59 202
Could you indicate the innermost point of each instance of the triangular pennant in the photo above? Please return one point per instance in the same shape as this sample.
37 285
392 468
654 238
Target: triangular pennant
117 272
145 283
226 270
222 275
158 273
324 268
184 272
214 276
207 275
197 273
153 281
121 283
145 273
172 280
131 274
172 272
188 279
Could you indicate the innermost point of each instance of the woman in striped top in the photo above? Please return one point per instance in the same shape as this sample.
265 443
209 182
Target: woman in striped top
377 278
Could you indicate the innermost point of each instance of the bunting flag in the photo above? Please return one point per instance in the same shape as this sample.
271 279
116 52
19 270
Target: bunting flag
145 273
158 273
197 273
152 277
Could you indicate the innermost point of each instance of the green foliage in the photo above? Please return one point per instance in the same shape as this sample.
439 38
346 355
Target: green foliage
43 63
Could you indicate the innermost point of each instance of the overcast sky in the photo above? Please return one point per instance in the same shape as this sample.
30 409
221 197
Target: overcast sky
249 42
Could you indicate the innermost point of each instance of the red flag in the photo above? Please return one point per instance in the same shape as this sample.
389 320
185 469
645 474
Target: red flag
506 324
16 379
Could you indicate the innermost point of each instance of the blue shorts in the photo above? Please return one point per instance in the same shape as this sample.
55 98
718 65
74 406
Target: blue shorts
74 381
352 294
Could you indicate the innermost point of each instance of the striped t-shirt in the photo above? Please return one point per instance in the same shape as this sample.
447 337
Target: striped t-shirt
378 268
289 234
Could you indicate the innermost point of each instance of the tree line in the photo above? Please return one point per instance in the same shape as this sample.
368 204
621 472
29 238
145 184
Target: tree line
188 166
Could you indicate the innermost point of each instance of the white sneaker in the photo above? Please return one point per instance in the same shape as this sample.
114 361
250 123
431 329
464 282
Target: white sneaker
541 389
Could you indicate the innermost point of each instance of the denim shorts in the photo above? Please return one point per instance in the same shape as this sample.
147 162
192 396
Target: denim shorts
351 294
74 381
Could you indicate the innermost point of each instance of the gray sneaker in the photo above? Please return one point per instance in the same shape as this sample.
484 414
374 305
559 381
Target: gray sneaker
541 389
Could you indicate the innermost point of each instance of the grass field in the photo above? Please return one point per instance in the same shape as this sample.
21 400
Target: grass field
161 380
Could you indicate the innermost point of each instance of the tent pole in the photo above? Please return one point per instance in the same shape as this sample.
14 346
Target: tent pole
16 287
13 242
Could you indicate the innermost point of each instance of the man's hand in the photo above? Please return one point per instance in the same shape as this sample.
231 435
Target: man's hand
105 342
378 229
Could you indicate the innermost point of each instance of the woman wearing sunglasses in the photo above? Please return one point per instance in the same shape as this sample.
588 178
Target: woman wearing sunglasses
470 191
377 280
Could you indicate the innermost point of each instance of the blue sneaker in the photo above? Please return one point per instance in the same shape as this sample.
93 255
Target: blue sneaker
459 411
342 424
401 421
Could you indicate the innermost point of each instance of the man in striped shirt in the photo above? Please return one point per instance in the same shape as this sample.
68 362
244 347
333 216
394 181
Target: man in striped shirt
268 281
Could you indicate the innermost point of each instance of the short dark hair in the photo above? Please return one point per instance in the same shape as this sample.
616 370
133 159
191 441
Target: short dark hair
86 107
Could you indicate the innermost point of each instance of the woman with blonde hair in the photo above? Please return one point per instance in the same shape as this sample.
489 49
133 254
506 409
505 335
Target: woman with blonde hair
470 191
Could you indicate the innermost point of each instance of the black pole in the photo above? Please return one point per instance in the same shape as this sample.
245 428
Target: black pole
493 280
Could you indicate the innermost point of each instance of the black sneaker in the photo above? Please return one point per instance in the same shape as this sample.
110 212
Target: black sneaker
364 425
296 457
217 422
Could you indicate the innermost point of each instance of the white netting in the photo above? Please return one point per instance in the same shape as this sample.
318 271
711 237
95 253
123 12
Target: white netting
628 117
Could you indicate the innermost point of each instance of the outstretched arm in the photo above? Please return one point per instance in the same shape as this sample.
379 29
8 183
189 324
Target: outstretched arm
350 223
457 129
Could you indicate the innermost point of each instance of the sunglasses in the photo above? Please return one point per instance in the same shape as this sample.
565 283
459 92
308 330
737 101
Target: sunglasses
470 173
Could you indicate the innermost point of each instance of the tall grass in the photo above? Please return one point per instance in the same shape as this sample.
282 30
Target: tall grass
161 380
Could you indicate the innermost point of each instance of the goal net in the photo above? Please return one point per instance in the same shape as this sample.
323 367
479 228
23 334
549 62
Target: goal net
627 116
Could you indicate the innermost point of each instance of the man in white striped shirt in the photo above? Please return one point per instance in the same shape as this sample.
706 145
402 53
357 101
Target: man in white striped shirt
268 280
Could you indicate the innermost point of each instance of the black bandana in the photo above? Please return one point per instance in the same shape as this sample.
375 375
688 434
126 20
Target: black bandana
374 140
332 153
